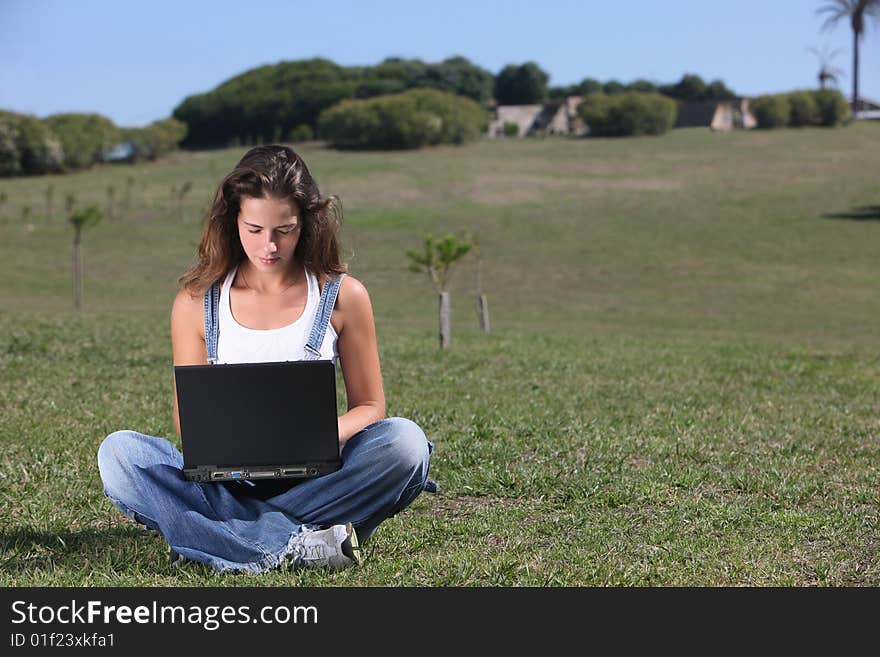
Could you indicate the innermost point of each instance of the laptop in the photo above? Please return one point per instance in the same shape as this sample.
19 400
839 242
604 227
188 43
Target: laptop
258 421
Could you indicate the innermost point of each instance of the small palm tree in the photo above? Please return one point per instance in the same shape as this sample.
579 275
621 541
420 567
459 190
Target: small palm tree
80 220
828 74
856 11
436 260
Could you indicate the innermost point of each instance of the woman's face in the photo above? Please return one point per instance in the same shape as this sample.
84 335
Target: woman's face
269 230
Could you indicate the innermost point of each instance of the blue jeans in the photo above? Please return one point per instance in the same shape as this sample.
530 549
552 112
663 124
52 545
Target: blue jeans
230 527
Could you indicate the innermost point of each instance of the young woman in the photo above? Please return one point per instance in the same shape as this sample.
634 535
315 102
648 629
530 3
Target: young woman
270 246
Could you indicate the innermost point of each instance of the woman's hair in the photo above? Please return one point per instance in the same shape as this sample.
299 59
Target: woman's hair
267 172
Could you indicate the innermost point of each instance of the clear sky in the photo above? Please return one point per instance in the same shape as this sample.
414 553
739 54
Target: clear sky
135 60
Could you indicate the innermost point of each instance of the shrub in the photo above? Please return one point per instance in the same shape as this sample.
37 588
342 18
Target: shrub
411 119
85 138
511 129
627 114
772 111
302 132
10 158
803 109
38 149
831 107
156 139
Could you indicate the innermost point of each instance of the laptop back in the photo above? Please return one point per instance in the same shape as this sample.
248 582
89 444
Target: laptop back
258 420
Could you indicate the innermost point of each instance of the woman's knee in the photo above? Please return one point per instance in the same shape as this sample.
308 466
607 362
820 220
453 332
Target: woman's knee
121 453
407 444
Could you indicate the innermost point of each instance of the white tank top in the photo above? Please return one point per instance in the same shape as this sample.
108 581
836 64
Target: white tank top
239 344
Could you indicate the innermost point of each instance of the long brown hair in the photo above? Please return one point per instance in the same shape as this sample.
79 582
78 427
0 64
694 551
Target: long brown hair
271 171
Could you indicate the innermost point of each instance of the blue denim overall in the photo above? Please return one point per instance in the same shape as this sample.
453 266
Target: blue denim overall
251 526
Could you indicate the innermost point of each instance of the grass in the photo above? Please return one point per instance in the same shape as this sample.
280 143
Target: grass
679 388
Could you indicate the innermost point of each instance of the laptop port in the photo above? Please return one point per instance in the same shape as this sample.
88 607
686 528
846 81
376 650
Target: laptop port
293 472
237 474
263 474
217 475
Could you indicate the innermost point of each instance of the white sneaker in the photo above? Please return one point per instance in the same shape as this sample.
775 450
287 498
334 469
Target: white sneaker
335 548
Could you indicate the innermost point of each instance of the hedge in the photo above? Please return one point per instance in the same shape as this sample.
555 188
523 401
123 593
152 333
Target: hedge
629 113
823 107
412 119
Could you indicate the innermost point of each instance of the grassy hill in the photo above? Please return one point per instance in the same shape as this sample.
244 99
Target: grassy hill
679 387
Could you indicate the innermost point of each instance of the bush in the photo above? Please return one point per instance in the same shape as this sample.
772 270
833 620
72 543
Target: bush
38 149
408 120
772 111
10 158
831 107
627 114
803 109
85 138
511 129
156 139
302 132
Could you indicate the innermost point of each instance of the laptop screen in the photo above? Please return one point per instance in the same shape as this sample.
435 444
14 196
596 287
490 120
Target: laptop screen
257 413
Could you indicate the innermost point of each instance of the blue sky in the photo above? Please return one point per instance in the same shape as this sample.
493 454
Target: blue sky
135 60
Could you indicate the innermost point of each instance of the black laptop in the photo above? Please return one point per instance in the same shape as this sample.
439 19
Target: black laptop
258 421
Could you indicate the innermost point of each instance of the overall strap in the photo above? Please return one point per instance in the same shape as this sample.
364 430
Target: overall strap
212 323
322 317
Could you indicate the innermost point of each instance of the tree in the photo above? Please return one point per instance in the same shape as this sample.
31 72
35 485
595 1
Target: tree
129 184
111 202
178 197
50 196
856 11
521 85
691 88
436 260
80 220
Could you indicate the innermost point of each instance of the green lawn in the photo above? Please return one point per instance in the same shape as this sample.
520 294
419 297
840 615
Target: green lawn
680 386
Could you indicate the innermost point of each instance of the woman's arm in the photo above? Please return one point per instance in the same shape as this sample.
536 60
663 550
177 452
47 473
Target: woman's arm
187 337
359 353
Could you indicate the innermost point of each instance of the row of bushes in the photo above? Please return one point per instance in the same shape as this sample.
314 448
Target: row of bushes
68 142
627 114
420 117
267 103
822 107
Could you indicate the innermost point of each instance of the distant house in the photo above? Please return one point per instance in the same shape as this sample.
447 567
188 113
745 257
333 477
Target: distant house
866 109
722 115
556 118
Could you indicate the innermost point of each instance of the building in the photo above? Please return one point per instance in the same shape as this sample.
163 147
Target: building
561 117
866 109
722 115
556 118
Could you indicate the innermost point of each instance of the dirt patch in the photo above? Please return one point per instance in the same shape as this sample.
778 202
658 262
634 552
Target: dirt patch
501 188
390 190
468 505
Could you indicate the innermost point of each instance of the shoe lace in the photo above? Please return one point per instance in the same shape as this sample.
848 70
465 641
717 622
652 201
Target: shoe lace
304 552
313 552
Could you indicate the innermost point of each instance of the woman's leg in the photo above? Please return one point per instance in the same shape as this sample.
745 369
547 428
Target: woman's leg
384 468
143 477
